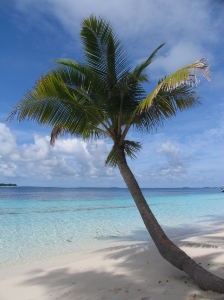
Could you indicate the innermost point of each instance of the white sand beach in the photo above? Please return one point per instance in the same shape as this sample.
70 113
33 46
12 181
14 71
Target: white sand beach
126 271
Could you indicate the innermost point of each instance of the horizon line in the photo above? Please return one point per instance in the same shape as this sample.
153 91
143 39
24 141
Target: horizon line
115 187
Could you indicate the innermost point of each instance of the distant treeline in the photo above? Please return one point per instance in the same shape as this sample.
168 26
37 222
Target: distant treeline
8 184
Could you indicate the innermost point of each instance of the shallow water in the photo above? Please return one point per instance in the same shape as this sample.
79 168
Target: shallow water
40 222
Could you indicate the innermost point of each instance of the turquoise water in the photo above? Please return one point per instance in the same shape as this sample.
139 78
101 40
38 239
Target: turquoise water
40 222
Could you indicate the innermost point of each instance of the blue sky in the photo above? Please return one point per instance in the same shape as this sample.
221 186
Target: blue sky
187 151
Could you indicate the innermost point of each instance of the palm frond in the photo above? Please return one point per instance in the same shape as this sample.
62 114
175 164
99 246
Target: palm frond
112 157
165 105
185 76
103 50
77 76
141 67
51 102
130 149
55 133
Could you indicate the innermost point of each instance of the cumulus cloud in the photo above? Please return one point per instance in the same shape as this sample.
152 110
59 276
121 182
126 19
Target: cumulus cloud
70 158
169 149
164 161
196 160
175 162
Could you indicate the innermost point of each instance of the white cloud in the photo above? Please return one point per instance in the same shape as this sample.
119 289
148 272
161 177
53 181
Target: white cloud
169 149
7 140
180 54
174 164
164 161
70 158
168 160
190 28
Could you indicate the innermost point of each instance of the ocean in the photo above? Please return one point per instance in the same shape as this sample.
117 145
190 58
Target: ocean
37 223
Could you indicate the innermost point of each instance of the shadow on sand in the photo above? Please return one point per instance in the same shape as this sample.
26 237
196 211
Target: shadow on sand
136 272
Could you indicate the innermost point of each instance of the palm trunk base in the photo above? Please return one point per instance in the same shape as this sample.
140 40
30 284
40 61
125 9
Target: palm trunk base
178 258
203 278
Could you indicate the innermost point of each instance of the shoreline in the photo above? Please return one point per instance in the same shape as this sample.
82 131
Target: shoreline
125 270
78 220
176 233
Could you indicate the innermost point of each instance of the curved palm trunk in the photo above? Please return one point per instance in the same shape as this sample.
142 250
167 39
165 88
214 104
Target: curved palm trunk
178 258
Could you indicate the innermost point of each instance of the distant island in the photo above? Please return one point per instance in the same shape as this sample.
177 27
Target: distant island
8 184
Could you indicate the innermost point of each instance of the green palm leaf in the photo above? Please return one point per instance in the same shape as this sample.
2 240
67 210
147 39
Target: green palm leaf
185 76
103 50
130 148
52 102
140 68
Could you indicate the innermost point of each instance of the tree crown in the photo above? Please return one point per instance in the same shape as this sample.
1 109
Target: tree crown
104 96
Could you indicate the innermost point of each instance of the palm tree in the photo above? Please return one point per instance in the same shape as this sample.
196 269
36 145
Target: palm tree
105 97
